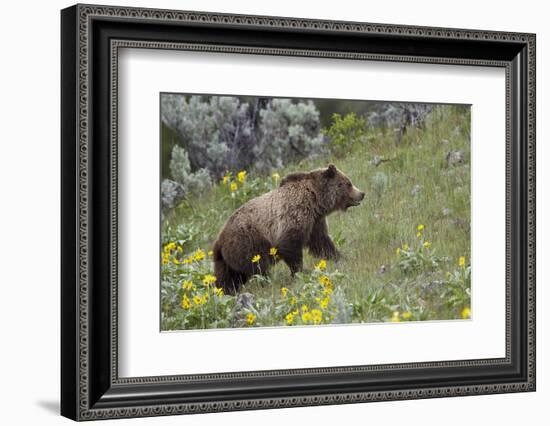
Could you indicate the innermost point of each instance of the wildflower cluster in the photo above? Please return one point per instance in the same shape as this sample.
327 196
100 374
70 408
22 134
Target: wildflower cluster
419 256
195 302
310 299
401 316
173 253
457 290
241 187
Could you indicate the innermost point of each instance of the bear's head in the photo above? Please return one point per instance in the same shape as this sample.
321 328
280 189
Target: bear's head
338 193
333 189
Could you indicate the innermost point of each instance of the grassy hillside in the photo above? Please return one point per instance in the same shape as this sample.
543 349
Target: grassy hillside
406 248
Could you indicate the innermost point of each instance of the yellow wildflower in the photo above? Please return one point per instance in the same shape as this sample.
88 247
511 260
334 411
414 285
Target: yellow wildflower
395 317
322 265
324 303
406 315
284 291
427 244
185 302
170 246
276 176
250 318
225 179
397 251
197 300
405 246
418 234
188 260
273 251
317 316
208 279
165 259
256 258
289 318
420 227
233 187
199 254
305 308
210 253
327 291
323 279
218 291
187 285
293 300
176 261
241 176
466 313
461 261
306 317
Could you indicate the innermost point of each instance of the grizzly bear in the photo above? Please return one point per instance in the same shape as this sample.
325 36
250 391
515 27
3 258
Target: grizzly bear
288 218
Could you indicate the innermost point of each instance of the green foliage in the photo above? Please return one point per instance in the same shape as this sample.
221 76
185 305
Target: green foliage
344 132
419 256
189 297
457 289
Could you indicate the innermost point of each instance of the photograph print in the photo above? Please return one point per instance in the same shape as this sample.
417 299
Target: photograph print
291 212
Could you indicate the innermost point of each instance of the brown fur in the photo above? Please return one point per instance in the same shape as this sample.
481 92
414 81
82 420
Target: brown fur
288 218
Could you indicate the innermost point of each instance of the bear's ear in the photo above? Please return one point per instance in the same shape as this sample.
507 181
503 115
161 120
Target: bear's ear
330 172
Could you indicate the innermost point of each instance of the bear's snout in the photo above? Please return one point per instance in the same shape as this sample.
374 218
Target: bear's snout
356 197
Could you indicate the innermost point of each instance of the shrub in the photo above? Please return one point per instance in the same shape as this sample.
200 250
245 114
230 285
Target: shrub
345 131
221 133
290 131
171 193
205 127
399 115
180 170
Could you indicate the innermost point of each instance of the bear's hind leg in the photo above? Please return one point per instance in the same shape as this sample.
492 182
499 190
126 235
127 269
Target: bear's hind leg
228 279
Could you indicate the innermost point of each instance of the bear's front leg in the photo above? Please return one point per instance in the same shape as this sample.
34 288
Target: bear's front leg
320 244
291 251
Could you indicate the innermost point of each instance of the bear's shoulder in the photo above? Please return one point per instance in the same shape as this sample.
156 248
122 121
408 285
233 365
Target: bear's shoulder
294 177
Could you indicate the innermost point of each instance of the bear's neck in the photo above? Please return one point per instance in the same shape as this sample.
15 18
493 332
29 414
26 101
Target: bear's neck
322 203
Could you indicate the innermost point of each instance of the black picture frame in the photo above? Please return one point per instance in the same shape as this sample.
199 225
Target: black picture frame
90 386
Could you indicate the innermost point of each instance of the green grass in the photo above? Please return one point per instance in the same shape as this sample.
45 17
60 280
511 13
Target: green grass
374 285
